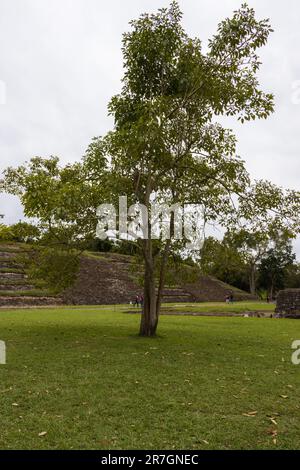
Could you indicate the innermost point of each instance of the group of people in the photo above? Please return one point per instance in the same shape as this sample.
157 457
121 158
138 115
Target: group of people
229 298
139 301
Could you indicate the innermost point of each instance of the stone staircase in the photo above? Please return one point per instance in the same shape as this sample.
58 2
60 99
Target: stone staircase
14 281
110 279
174 295
103 278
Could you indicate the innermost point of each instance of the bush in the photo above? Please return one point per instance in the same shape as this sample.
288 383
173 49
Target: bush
6 233
20 232
25 232
57 268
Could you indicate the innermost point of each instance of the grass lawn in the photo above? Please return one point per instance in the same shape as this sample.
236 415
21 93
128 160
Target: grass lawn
27 293
83 377
222 307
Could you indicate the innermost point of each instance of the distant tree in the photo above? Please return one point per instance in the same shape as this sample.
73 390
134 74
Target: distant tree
274 265
264 258
220 259
258 239
292 276
251 247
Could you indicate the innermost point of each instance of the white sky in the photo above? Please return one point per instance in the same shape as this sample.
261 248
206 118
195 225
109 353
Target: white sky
60 61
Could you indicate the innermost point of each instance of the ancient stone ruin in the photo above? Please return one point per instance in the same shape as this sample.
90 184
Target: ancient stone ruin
288 303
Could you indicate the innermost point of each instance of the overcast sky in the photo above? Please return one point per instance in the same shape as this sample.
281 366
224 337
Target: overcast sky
60 62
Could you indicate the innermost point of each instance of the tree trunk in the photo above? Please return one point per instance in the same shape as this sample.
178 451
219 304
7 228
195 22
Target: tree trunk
152 302
149 318
252 280
272 290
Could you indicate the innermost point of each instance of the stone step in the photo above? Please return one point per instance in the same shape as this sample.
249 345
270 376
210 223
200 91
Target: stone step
12 276
175 292
20 301
15 287
9 264
7 248
7 255
177 299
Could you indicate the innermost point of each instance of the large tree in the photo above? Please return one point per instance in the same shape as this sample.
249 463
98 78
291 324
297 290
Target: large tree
167 145
251 260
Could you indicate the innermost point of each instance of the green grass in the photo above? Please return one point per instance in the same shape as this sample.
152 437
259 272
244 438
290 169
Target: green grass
84 377
221 307
28 293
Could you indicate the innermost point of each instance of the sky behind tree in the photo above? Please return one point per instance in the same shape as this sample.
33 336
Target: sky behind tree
61 62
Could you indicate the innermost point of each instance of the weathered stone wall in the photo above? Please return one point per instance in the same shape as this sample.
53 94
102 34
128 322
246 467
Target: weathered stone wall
288 302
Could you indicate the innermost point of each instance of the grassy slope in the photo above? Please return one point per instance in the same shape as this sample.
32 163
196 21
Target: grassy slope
83 376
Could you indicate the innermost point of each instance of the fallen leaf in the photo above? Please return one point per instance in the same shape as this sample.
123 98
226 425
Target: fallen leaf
273 421
251 414
6 390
